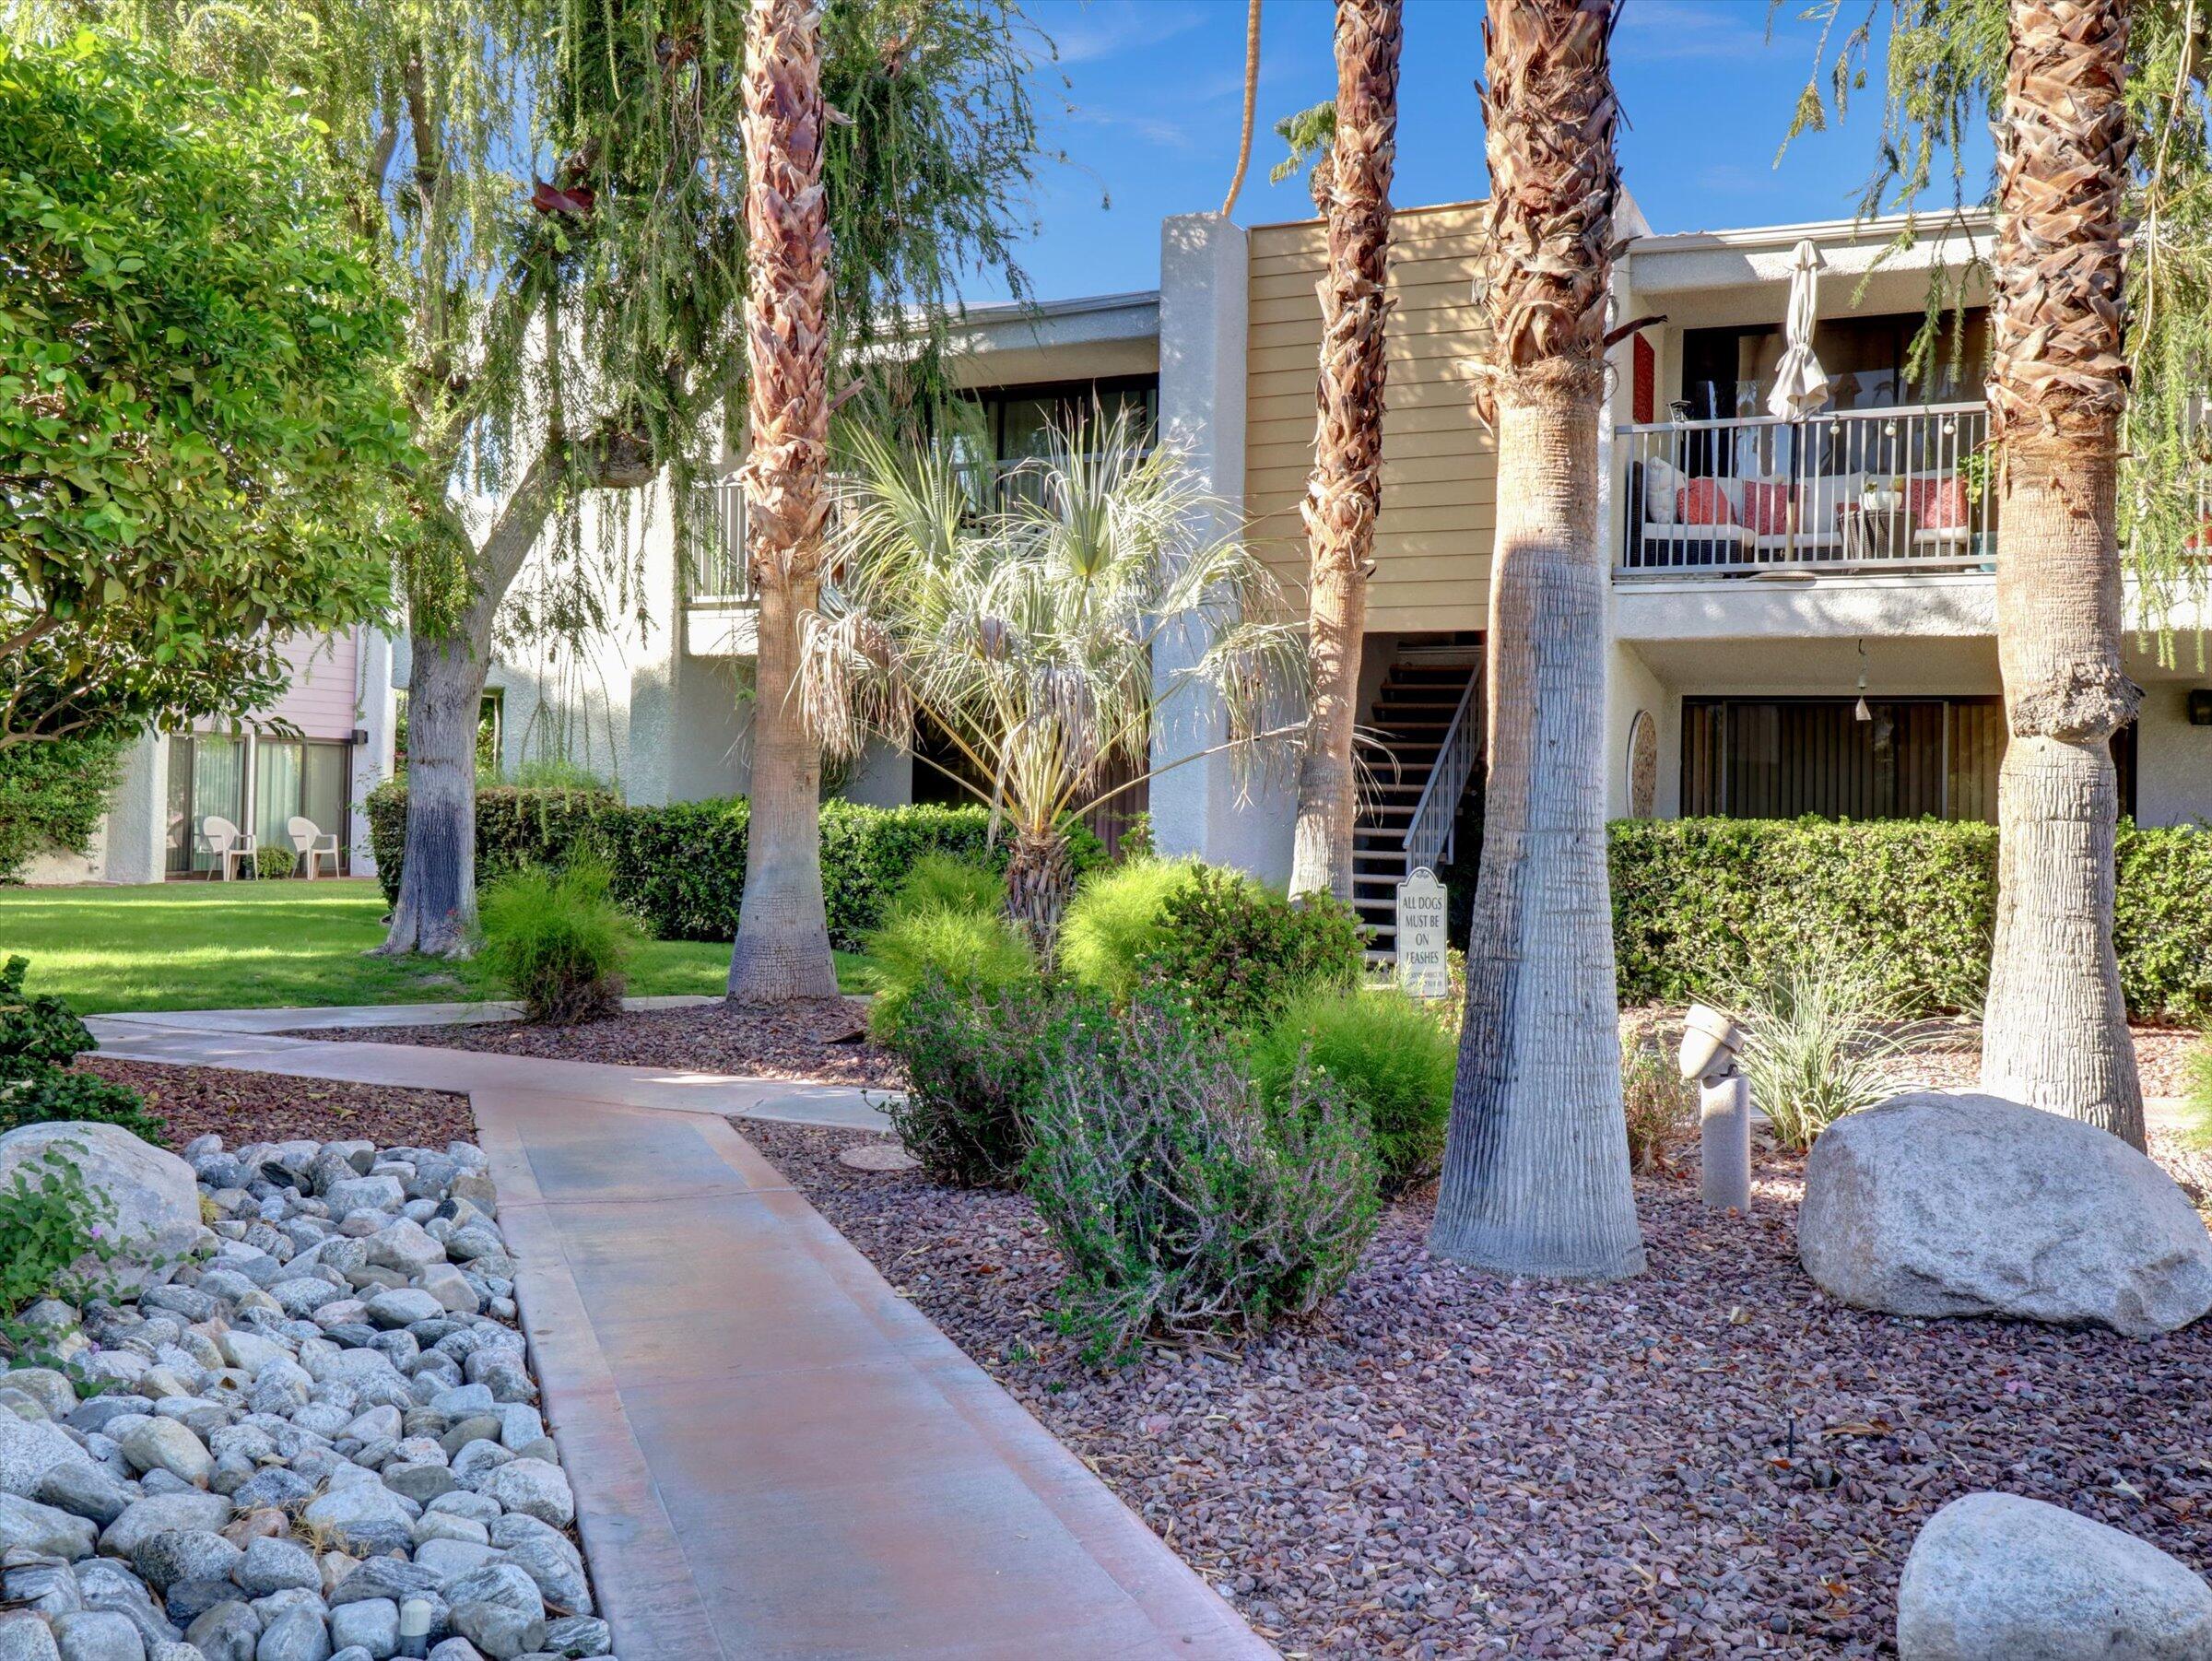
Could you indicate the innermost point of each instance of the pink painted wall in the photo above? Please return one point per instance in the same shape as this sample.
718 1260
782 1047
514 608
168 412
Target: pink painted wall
320 699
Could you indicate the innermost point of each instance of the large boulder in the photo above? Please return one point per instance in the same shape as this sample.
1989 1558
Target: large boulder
1941 1204
153 1194
1998 1576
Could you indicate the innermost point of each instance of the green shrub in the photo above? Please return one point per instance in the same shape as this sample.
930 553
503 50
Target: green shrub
680 868
1699 899
36 1033
1660 1105
1180 1205
56 1235
1816 1038
2196 1088
973 1065
271 861
556 941
50 1095
1693 898
1240 953
972 954
943 882
51 796
1390 1056
1117 920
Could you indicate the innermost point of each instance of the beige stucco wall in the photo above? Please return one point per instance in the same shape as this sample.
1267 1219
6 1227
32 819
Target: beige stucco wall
1432 540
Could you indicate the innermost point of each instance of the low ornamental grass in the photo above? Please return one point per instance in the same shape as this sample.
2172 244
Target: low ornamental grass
1816 1041
1116 921
557 942
1392 1058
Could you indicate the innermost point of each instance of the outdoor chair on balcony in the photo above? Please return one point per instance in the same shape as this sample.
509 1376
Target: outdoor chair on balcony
314 844
228 846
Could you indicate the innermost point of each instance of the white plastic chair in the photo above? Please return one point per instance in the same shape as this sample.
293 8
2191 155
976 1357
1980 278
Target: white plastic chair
313 843
229 846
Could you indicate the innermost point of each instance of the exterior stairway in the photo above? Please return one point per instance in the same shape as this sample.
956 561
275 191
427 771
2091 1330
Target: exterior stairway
1413 721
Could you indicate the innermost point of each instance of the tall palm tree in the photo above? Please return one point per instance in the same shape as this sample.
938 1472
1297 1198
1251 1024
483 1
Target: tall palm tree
1025 634
783 947
1536 1163
2055 1029
1346 490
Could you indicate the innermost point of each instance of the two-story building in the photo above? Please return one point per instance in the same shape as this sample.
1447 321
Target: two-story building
1803 611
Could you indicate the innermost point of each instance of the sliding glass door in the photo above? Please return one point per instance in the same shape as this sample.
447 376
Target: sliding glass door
208 774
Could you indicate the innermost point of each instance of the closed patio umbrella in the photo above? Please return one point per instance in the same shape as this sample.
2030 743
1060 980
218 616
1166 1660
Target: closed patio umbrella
1800 384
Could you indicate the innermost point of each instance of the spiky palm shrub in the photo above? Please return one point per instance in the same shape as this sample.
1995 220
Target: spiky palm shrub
1024 631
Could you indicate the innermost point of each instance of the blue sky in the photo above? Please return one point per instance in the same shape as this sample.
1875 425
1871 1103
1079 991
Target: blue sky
1149 119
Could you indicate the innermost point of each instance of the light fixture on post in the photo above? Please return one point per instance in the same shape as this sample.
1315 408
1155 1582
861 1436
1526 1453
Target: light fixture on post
1860 711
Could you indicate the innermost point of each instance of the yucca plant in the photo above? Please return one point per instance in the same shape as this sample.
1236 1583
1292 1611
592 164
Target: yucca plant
1026 632
1818 1038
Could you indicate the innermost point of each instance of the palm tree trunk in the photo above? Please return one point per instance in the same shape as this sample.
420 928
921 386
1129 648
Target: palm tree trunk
2054 1033
783 947
1536 1176
1041 880
1346 490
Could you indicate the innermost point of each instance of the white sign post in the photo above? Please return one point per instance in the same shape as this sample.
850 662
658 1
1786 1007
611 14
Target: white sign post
1422 971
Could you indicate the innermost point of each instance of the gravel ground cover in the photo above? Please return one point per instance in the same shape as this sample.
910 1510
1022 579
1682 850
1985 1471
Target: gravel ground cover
327 1416
1947 1056
823 1043
1711 1460
267 1107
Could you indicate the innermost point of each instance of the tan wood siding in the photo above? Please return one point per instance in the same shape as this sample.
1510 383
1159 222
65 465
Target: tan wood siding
1432 540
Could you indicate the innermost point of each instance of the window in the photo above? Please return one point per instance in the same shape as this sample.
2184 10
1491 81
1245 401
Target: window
209 774
1785 758
1727 373
207 778
1009 425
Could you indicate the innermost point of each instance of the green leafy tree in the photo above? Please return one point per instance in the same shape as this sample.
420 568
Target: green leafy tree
559 186
196 427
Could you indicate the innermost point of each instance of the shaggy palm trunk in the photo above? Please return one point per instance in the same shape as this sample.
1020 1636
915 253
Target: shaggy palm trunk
1536 1176
783 947
1041 879
2054 1033
1346 490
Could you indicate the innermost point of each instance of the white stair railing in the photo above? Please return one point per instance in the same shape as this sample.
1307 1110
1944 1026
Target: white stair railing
1429 834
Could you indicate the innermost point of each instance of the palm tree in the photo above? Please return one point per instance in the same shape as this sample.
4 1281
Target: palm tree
1536 1161
1025 633
1346 490
2054 1031
783 947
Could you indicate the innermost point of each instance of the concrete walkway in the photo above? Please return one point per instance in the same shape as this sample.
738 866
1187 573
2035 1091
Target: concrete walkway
776 1457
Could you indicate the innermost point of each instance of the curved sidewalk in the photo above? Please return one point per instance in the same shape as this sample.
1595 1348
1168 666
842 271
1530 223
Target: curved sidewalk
776 1457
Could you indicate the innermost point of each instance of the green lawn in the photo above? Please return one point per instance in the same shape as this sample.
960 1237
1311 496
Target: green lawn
257 945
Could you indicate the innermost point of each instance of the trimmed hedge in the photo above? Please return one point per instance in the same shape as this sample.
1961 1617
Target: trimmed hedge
681 867
1699 901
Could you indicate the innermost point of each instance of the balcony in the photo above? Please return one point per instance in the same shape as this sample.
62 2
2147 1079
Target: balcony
1898 489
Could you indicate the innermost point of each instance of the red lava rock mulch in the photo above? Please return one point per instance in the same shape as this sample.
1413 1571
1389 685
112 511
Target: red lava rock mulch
267 1107
823 1043
1711 1460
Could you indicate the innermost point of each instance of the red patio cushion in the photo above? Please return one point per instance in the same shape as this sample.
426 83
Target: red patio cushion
1702 502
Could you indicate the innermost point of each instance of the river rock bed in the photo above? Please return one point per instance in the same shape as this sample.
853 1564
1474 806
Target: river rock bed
325 1415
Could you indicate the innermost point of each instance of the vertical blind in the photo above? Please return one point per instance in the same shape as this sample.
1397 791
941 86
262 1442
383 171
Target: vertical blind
1784 758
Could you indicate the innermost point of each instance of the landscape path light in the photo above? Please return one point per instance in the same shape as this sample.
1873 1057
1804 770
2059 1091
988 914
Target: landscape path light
1710 1043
